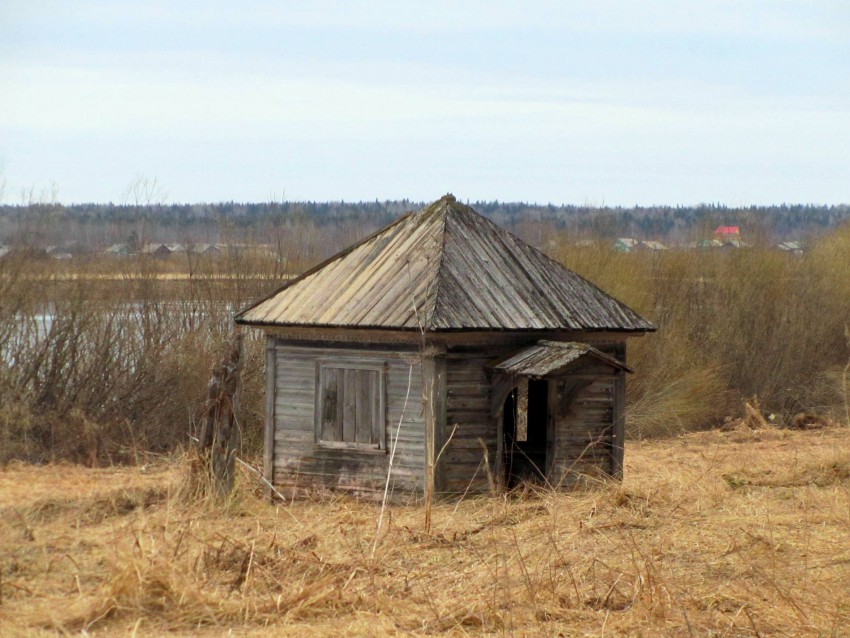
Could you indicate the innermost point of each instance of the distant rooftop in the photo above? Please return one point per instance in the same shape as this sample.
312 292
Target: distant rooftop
728 231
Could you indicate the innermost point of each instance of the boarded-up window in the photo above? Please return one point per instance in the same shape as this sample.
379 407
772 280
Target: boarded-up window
350 406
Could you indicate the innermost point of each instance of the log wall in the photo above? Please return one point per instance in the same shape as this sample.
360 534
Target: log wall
587 421
583 421
463 465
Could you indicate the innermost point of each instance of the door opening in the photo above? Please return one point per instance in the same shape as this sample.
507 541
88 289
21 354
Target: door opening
524 423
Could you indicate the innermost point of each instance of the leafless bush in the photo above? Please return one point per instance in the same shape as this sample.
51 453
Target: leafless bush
109 371
732 324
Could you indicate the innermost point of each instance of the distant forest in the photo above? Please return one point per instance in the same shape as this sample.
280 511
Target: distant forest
97 225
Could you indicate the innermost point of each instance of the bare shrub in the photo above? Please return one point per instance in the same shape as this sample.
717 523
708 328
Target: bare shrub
108 372
107 360
732 324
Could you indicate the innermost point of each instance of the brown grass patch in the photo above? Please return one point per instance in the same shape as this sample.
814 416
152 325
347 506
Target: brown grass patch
718 533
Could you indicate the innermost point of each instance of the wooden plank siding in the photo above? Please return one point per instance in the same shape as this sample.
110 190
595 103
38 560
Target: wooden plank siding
468 408
300 461
583 427
586 408
582 441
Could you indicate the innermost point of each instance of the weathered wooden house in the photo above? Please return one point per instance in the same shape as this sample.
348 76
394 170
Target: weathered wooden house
450 350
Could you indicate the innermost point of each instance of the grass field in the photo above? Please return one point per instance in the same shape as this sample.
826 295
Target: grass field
736 533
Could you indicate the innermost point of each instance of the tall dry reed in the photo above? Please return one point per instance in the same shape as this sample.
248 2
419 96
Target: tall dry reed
106 360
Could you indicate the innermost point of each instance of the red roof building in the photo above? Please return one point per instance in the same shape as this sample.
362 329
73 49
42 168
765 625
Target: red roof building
728 232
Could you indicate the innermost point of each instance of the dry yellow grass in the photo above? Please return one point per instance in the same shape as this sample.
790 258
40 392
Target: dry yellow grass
740 533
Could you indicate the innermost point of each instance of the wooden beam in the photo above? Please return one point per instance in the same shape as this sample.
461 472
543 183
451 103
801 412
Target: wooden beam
429 407
522 410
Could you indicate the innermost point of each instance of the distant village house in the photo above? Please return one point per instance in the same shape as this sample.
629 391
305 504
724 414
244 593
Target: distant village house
156 250
726 233
118 250
629 244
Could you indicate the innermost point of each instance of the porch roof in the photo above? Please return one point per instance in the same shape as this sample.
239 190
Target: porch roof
548 357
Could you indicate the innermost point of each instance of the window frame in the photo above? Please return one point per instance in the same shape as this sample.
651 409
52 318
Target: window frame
379 428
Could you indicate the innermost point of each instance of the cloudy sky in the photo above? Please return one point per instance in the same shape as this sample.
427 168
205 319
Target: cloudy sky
650 101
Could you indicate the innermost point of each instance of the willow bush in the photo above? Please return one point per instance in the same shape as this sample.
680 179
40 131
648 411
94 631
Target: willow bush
732 324
111 371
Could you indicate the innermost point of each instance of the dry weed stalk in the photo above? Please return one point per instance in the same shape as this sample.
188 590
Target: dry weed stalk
844 379
385 497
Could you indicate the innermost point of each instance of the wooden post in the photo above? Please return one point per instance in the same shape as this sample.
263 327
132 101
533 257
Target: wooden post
441 425
268 432
618 448
428 374
522 410
502 386
219 437
434 381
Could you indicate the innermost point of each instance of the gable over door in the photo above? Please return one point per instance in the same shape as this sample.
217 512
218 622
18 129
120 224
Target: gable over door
584 411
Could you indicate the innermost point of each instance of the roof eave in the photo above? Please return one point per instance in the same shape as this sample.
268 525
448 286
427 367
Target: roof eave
240 320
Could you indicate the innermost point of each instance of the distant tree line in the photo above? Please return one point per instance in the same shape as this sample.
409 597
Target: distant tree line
96 225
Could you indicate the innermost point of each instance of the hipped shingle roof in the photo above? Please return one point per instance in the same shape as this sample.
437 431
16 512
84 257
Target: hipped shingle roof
444 268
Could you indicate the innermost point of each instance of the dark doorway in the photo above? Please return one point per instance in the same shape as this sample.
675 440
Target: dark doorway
525 448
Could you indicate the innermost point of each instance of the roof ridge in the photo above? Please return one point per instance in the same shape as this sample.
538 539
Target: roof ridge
503 236
623 307
434 289
499 234
454 209
598 291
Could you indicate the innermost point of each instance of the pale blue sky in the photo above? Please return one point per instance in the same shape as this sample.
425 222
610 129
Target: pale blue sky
648 102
